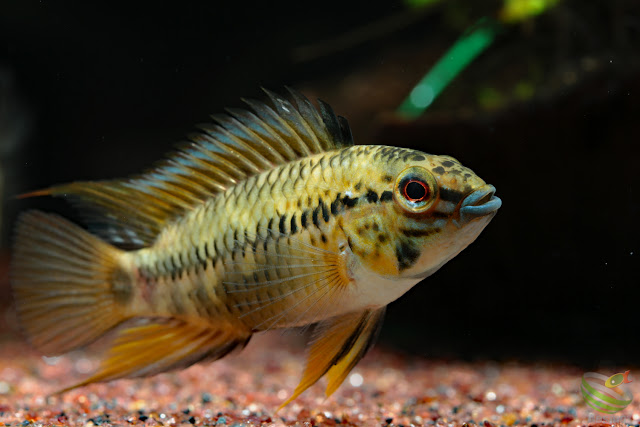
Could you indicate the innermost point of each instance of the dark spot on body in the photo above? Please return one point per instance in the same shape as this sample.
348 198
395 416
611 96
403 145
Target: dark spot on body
406 254
294 224
349 202
303 219
281 227
371 196
439 170
325 210
174 267
387 178
382 238
314 216
386 196
375 226
358 186
201 253
335 204
447 163
323 238
270 225
418 158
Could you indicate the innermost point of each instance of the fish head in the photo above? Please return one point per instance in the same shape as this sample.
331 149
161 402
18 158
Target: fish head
435 207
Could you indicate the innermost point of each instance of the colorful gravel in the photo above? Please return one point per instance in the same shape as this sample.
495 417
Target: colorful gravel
386 388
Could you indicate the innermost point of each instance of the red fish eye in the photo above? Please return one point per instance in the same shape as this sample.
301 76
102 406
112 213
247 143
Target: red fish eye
416 191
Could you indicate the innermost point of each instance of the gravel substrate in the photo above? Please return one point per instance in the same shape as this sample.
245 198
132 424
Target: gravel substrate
246 388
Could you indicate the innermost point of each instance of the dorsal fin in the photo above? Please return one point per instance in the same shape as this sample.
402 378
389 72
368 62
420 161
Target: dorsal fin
131 212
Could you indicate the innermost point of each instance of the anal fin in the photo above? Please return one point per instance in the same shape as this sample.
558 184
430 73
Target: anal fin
161 346
338 344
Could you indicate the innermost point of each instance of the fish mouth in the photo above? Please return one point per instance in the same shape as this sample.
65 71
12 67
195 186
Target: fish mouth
480 203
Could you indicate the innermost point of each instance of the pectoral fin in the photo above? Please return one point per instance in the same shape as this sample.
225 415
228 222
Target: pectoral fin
162 346
338 344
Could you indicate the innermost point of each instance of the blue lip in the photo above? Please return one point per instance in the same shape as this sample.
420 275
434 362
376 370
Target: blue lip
480 203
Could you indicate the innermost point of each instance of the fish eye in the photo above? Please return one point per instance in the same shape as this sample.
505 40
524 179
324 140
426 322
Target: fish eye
415 189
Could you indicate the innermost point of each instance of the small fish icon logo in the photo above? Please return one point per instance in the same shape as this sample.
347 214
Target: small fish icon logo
606 394
615 380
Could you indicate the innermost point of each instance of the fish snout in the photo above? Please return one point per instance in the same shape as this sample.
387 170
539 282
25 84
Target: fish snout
480 203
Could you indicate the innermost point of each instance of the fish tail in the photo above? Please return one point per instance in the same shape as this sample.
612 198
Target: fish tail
69 286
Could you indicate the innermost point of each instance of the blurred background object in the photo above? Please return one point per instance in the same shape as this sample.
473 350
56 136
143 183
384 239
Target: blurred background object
544 106
15 124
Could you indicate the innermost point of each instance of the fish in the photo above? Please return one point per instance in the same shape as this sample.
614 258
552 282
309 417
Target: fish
615 380
269 218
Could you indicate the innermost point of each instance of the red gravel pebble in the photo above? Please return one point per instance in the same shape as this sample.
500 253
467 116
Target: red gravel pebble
246 388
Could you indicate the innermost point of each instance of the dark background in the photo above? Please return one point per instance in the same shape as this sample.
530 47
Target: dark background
93 90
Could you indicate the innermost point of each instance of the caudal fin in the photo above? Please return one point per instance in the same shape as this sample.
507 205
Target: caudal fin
63 283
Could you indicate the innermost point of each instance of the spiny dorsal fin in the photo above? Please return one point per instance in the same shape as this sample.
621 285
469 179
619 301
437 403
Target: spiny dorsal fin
131 212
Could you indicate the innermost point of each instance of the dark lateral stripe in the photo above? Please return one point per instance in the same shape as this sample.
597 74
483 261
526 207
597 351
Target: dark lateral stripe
372 196
411 232
450 195
440 215
338 205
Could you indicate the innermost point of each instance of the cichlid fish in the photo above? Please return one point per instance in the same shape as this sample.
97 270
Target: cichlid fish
270 218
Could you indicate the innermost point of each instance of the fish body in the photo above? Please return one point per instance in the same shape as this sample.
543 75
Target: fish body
271 219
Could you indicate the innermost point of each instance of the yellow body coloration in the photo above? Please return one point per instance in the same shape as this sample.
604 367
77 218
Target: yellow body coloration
270 219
